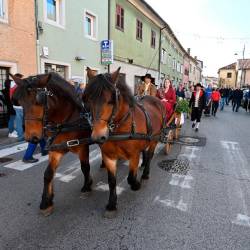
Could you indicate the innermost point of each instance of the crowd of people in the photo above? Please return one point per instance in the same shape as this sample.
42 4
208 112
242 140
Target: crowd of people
200 99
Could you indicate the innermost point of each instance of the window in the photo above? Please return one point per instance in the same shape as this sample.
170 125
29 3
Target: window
153 37
163 56
181 68
3 11
59 69
174 62
229 75
119 17
138 30
55 12
169 60
90 25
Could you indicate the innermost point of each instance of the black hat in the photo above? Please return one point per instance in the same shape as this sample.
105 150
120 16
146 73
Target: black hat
198 85
147 76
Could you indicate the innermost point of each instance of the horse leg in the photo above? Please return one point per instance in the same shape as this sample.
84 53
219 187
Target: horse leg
150 154
111 168
132 176
144 158
46 204
85 167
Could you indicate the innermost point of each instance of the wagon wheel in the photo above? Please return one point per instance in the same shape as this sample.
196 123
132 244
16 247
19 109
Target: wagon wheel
169 143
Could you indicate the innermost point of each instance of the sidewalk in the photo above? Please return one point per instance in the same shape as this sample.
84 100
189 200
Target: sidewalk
5 141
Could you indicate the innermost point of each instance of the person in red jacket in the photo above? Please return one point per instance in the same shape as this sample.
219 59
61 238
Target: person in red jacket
168 97
215 97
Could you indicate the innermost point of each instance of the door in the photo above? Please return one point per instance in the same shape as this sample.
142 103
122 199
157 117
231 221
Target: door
4 74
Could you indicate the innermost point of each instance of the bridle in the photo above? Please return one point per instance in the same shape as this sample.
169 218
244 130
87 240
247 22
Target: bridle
42 98
111 123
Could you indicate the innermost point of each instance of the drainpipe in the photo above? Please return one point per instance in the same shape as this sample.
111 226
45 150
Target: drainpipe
109 23
159 62
37 39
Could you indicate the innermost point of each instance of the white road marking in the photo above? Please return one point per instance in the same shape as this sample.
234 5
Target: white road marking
180 196
74 170
13 150
237 166
183 181
21 166
101 186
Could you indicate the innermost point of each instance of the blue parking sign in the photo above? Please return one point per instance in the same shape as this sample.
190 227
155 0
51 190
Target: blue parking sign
107 52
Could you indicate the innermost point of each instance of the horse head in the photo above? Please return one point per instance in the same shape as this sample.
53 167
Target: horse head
106 95
45 98
27 94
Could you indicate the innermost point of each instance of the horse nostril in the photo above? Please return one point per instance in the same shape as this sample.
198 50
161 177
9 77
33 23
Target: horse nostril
103 139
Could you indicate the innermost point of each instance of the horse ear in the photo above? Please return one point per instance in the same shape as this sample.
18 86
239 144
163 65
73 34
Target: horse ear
115 75
90 73
16 79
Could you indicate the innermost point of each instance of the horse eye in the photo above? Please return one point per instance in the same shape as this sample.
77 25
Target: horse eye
111 102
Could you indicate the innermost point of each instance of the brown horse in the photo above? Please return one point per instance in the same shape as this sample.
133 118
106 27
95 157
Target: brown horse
50 101
115 110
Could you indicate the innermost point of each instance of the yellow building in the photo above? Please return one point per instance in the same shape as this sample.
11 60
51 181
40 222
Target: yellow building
227 76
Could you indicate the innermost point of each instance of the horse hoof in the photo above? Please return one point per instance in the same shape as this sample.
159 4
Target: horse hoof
136 186
145 177
48 211
85 195
110 214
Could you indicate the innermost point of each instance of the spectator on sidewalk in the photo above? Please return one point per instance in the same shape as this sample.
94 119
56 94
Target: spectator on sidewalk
28 156
215 97
11 112
197 104
80 88
18 109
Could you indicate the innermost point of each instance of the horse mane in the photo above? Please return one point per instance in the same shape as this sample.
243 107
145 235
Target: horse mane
58 85
103 82
63 89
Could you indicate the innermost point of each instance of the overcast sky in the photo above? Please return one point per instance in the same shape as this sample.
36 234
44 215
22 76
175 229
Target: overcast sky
214 29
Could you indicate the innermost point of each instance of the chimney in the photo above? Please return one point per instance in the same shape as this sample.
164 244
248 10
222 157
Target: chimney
188 51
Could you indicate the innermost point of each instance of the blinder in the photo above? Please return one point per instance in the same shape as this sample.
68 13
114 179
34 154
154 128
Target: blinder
41 97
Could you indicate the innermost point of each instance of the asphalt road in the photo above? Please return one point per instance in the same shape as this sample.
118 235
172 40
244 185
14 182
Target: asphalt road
208 208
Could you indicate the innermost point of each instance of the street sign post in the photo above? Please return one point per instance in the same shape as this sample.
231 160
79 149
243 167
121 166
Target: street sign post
107 54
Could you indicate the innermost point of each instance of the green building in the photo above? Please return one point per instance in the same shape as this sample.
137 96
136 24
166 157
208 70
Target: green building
143 43
69 33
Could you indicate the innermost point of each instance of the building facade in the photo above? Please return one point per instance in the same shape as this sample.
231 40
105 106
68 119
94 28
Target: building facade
17 38
135 32
227 76
69 36
243 70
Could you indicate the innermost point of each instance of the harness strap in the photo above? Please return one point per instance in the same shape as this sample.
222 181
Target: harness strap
148 121
69 144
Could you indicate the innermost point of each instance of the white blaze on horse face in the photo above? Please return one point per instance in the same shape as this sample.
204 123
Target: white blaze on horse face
100 129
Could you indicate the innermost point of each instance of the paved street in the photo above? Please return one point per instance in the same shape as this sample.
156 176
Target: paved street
209 208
